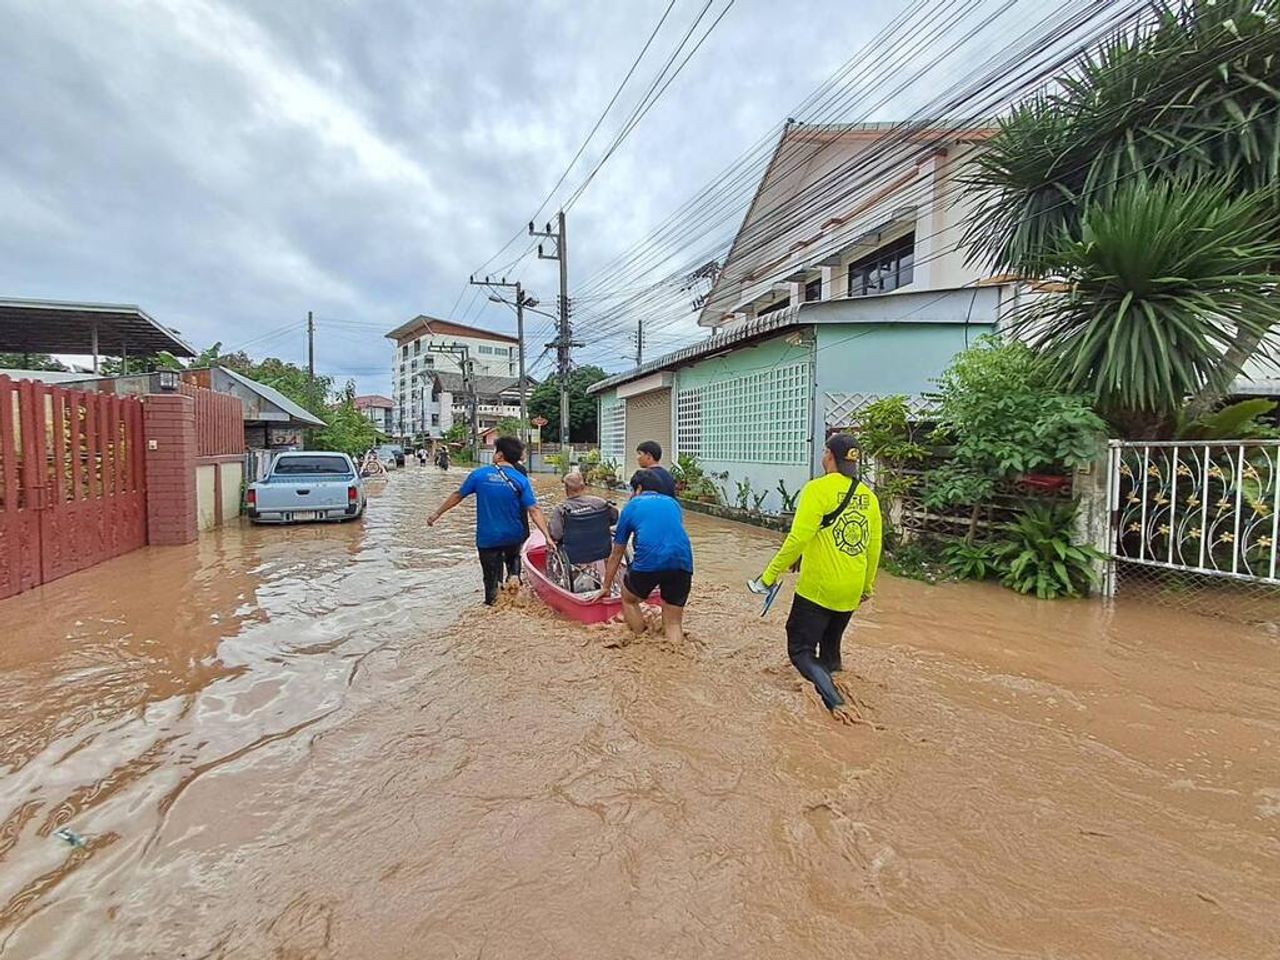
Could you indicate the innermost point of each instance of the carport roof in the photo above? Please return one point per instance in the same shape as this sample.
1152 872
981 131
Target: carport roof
52 326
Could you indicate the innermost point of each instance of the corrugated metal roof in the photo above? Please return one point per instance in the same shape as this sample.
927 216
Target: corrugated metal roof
56 326
274 396
485 386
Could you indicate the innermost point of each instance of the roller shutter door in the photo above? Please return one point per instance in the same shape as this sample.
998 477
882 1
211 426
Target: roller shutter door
648 418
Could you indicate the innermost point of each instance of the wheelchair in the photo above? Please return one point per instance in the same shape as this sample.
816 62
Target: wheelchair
577 564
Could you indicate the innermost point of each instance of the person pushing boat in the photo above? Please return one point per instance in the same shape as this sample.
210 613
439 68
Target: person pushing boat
505 504
663 556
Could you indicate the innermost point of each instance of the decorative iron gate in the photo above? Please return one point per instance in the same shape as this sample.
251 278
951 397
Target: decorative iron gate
72 488
1201 507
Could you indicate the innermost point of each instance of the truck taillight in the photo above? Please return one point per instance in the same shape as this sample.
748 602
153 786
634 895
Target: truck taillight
251 497
352 494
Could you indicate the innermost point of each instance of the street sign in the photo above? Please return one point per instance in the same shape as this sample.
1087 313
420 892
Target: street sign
540 422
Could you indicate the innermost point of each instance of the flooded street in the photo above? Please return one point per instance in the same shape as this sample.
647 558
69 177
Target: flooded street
313 742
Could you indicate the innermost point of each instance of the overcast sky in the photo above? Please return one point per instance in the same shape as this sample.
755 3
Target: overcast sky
230 164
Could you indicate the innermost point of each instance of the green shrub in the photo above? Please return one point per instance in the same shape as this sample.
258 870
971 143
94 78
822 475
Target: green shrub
693 483
972 561
788 498
1036 553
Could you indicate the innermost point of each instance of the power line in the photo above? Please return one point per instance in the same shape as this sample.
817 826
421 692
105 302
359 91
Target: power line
591 134
822 189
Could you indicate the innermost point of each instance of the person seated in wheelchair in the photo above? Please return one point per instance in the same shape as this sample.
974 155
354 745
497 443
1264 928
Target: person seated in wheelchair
581 527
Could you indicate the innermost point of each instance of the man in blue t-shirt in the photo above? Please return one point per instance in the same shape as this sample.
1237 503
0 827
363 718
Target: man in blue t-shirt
663 556
504 506
648 454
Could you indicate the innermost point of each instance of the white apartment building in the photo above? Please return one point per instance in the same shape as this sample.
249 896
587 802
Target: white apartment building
426 346
377 410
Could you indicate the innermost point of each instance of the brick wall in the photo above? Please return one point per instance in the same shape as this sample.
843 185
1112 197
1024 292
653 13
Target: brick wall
169 426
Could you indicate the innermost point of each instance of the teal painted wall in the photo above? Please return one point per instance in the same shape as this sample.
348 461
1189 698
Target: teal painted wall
886 358
743 360
767 432
883 358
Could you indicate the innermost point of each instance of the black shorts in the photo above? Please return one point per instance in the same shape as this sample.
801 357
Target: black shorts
673 585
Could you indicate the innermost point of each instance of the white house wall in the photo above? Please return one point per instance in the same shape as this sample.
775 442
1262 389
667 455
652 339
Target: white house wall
798 222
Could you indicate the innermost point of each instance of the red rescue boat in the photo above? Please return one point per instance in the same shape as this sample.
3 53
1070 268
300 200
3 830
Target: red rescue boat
572 605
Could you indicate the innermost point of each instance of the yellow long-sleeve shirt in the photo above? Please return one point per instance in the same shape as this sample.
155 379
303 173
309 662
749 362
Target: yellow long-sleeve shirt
838 563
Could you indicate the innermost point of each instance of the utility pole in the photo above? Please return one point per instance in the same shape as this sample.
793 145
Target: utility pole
311 345
564 342
639 343
522 301
468 384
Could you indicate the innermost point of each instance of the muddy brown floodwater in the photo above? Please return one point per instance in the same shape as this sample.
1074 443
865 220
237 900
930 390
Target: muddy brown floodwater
313 743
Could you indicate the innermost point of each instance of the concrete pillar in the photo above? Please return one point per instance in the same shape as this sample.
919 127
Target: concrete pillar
835 283
169 427
1091 486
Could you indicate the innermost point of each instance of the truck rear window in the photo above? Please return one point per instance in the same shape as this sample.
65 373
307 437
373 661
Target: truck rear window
310 466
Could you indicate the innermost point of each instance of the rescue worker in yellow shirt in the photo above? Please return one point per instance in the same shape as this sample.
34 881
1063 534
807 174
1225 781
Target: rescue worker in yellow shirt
836 535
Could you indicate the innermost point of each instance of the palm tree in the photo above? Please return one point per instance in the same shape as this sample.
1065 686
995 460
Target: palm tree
1167 135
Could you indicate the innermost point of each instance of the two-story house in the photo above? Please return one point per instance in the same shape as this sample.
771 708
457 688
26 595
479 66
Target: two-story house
846 282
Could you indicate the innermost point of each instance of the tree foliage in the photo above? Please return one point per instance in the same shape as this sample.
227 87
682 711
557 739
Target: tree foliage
31 361
1194 96
1162 281
348 430
999 405
310 393
544 401
1176 118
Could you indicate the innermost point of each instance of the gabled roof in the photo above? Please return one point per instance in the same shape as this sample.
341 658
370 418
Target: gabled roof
485 386
274 397
789 215
444 328
373 400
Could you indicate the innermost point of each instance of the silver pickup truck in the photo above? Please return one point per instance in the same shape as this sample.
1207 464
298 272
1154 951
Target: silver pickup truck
302 486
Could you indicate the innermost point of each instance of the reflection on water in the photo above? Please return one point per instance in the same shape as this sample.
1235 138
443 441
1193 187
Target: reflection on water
311 742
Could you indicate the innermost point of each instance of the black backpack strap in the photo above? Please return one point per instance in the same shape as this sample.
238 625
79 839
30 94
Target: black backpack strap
834 515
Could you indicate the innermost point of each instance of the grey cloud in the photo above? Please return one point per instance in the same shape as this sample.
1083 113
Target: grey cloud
230 165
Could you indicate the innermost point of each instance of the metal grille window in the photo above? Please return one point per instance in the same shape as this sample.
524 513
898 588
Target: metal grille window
689 422
613 428
757 418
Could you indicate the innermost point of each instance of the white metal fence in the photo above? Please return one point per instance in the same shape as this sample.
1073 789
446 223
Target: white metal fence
1193 524
1205 507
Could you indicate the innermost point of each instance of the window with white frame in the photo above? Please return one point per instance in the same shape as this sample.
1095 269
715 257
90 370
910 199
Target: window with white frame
760 417
613 428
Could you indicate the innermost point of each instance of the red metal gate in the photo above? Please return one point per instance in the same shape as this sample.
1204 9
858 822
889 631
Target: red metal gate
72 486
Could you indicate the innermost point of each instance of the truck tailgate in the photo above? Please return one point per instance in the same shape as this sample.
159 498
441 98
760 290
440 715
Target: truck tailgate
292 494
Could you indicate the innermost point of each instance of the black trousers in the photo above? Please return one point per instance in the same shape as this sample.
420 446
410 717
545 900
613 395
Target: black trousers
813 644
492 562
